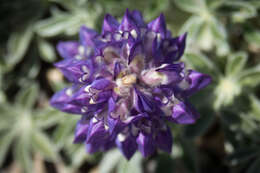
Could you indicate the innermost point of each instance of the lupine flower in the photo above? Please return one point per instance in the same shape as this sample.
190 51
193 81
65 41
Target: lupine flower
127 83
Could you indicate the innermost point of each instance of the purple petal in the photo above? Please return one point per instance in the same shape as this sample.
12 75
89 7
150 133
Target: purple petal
146 144
86 35
164 140
81 131
197 81
127 23
158 25
184 113
142 103
110 24
138 18
68 49
127 146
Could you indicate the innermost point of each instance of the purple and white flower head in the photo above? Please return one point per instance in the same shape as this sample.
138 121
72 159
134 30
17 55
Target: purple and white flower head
127 82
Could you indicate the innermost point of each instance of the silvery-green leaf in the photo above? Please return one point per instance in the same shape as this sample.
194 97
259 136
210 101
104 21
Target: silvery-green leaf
244 10
109 161
253 37
27 96
236 63
65 129
133 165
17 46
218 30
250 77
225 92
5 143
205 39
192 26
46 50
55 25
45 118
79 156
223 48
254 167
255 106
201 63
192 6
23 155
43 145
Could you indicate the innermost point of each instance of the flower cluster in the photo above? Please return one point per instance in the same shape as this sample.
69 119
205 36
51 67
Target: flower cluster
127 82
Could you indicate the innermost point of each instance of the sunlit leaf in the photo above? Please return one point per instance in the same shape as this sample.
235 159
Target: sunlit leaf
109 161
235 63
42 144
250 77
133 165
5 143
23 155
27 96
46 51
201 63
191 5
17 46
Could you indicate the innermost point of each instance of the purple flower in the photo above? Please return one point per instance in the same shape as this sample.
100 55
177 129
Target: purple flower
127 82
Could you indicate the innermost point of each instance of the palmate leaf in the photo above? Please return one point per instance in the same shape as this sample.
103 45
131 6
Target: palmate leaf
192 6
65 129
23 155
133 165
109 161
255 107
5 142
201 63
55 25
26 98
17 46
235 63
250 77
244 11
46 51
43 145
253 37
192 26
48 117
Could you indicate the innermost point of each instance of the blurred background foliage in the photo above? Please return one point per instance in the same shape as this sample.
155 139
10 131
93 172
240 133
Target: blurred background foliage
223 41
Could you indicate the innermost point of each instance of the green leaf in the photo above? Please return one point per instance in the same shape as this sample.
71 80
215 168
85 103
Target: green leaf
17 46
192 6
27 96
217 28
192 26
47 51
254 167
64 129
133 165
201 63
236 63
55 25
253 37
23 155
244 10
45 118
42 144
5 143
250 77
255 107
109 161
